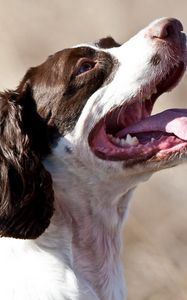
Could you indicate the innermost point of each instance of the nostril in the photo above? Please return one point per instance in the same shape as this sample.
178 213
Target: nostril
166 29
171 30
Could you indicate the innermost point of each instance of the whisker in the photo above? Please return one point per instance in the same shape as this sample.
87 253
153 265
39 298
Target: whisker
118 117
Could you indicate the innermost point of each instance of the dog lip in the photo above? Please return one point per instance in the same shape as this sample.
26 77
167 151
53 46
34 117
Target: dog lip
105 148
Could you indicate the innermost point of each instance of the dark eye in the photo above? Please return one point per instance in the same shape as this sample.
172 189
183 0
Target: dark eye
85 67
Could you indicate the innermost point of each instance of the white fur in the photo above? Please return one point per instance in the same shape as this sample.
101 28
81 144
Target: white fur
78 257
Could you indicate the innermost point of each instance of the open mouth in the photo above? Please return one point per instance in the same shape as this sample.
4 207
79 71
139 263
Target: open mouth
131 132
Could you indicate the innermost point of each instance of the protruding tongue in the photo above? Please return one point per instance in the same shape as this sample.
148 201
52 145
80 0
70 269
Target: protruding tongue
171 121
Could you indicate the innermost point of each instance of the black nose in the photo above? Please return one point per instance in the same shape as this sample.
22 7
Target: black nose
166 29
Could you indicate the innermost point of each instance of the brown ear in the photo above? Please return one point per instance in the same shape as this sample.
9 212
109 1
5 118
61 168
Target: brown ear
26 194
107 42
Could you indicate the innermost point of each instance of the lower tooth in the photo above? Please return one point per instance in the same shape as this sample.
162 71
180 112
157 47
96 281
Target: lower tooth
135 141
123 142
131 140
118 140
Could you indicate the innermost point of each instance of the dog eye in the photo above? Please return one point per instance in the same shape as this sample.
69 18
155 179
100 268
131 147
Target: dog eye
85 67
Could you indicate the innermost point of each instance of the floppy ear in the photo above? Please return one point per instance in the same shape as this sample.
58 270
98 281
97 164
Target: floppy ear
26 194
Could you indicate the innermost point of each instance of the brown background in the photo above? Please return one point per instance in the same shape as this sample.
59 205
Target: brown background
155 253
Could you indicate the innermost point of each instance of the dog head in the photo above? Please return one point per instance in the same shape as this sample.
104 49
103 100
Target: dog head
91 103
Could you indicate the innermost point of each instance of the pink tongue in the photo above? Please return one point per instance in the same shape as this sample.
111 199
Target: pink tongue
171 121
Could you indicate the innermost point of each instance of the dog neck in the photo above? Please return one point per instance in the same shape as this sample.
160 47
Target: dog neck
93 210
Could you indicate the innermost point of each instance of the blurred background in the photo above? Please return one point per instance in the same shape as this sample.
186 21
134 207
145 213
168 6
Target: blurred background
155 255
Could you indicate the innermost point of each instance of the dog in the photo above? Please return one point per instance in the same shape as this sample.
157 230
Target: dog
77 137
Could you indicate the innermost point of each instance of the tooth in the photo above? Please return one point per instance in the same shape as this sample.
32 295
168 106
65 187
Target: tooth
123 142
116 140
128 138
131 140
135 141
152 139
